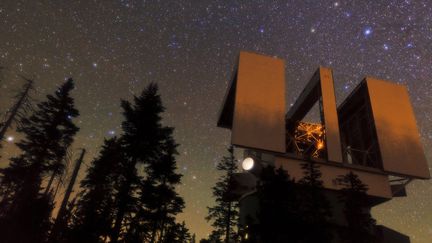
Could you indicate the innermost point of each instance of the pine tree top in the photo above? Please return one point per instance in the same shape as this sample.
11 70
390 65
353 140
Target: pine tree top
50 130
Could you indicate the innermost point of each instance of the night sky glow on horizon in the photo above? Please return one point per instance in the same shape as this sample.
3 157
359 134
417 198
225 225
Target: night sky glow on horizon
113 49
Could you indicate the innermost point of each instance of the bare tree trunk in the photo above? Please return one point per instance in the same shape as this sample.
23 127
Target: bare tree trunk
55 172
60 220
15 109
47 189
60 181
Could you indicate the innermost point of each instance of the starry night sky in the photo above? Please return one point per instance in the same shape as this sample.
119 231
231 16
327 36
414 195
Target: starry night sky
115 48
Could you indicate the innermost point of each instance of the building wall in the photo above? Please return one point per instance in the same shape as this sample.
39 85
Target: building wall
377 182
259 114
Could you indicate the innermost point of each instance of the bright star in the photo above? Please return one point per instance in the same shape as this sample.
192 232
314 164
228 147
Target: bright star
10 138
367 31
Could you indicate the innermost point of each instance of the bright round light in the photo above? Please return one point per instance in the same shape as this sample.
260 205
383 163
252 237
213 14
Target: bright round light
10 139
248 163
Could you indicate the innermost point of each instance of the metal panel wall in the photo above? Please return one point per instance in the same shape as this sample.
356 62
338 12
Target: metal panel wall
331 122
398 137
259 109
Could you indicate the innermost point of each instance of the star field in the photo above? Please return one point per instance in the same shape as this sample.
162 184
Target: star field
113 49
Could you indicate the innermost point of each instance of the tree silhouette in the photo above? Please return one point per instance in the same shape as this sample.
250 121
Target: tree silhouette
224 215
360 224
278 216
19 109
177 233
141 139
48 132
60 223
158 201
95 207
161 174
215 236
147 200
314 206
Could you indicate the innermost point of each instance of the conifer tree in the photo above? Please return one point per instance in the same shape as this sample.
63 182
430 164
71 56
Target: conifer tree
360 224
314 206
278 216
48 132
95 209
224 215
147 200
125 200
162 203
178 233
141 141
215 237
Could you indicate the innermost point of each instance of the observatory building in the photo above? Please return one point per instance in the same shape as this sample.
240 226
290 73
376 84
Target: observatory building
372 133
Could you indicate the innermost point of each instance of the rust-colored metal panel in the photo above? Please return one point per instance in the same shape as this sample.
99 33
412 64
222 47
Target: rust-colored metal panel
398 137
331 122
259 109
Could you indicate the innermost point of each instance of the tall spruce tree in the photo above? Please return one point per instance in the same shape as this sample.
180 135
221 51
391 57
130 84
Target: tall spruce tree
147 201
279 219
314 206
360 224
142 141
224 215
48 132
95 208
159 200
178 233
